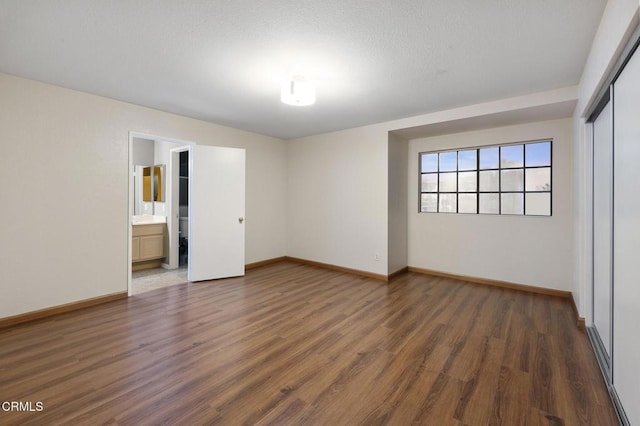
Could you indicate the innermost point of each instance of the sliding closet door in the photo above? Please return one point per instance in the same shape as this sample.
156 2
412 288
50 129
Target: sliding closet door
602 229
626 246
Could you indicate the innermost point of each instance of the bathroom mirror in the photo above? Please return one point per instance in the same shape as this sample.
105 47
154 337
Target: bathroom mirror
148 188
152 181
146 184
158 187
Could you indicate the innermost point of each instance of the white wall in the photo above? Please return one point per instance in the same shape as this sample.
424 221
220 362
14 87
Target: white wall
338 195
65 165
143 152
142 155
162 156
527 250
618 22
337 198
398 202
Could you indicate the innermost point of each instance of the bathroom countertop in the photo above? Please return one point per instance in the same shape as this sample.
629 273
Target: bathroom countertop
147 220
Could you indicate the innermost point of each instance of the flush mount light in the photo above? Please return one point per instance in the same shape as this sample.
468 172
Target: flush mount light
298 92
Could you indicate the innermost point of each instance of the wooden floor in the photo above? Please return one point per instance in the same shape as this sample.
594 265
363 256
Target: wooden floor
291 344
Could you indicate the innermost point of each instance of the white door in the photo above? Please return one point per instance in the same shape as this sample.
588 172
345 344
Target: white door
216 212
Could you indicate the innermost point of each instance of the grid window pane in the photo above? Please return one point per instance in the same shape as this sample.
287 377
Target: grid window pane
467 181
512 180
512 203
538 203
511 156
429 203
467 160
447 203
538 154
538 179
429 163
489 158
467 203
430 182
447 182
489 203
489 181
448 161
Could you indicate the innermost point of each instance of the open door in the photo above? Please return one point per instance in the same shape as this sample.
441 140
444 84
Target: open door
216 212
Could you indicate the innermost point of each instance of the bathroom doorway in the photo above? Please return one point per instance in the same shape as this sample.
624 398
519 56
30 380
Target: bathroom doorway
199 212
168 212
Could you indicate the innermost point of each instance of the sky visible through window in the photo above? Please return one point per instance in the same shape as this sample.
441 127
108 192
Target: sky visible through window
536 154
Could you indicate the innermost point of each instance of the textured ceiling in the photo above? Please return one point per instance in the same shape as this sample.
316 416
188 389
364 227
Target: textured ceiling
373 61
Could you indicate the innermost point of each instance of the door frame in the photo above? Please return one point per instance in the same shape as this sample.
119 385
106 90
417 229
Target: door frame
173 225
130 202
604 353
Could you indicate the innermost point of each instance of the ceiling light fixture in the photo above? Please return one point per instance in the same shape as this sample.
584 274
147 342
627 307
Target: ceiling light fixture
298 92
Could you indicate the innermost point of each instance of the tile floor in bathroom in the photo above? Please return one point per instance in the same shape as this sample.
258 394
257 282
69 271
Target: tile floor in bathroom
151 279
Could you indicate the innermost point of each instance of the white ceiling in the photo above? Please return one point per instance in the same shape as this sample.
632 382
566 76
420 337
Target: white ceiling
373 60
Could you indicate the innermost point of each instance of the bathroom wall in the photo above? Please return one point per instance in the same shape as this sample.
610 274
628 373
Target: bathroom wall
162 156
143 152
148 152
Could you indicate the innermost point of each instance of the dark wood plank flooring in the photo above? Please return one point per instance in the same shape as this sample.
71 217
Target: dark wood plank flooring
295 344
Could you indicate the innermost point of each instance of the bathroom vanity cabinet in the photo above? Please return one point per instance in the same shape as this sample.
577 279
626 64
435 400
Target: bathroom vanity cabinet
147 246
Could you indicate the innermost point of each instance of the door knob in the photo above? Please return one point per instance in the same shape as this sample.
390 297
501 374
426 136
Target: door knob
241 219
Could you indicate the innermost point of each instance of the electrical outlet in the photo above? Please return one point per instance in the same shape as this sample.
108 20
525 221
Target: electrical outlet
376 257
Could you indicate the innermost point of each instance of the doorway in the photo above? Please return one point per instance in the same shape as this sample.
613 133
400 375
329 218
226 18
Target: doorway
163 211
201 211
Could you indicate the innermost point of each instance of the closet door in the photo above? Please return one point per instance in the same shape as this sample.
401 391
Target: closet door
626 245
602 230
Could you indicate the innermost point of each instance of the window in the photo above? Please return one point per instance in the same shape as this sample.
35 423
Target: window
512 179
